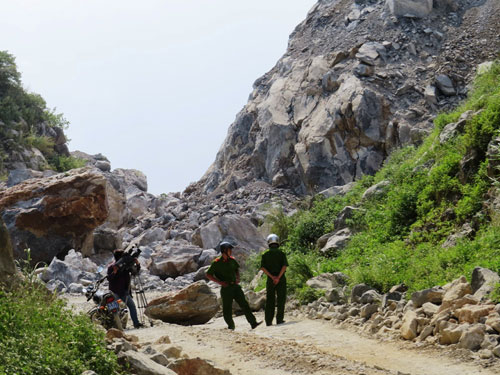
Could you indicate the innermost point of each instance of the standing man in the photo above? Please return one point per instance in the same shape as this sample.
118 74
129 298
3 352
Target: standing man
224 270
119 283
274 265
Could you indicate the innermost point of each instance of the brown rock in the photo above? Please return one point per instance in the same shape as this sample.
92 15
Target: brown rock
50 215
451 333
196 304
473 337
195 366
458 303
409 327
457 289
493 321
472 313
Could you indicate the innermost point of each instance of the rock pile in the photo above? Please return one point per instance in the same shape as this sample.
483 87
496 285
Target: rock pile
158 358
458 313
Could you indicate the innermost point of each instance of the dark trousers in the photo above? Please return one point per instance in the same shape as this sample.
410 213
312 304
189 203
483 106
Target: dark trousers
275 293
230 293
127 298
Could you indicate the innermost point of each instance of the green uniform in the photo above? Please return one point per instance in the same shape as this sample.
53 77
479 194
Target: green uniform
273 261
226 271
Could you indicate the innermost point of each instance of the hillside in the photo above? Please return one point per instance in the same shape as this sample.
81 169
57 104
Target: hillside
372 149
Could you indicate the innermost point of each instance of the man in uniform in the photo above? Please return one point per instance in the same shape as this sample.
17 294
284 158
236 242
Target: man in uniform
224 270
274 265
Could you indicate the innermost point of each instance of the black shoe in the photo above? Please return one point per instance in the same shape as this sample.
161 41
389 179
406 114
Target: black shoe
256 324
140 325
281 322
231 328
269 324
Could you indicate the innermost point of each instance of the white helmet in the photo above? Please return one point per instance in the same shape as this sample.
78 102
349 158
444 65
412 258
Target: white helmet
273 239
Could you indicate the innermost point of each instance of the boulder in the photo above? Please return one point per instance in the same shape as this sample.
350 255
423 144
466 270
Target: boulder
358 290
451 333
256 300
368 310
336 242
59 270
335 296
106 239
196 304
409 327
238 229
433 295
141 364
483 282
455 290
345 215
376 190
493 321
444 84
327 280
195 366
54 214
473 337
369 52
410 8
370 296
473 313
175 260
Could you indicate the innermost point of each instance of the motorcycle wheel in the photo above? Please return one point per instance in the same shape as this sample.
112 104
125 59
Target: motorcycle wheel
97 317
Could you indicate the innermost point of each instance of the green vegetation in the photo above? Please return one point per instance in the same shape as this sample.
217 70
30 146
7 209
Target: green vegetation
22 115
39 335
434 190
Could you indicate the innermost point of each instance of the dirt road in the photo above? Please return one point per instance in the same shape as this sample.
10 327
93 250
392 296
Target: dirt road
301 347
305 347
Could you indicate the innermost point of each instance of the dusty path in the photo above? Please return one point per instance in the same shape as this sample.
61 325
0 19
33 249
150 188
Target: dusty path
305 347
301 347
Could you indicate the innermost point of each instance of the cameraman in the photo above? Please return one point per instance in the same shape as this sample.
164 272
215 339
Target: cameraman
119 282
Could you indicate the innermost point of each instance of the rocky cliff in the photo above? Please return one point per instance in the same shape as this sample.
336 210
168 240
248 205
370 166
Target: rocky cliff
358 79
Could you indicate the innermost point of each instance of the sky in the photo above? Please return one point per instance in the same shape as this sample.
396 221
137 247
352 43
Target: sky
153 85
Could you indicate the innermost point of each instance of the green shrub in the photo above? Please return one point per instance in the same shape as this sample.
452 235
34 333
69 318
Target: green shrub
63 163
307 294
40 335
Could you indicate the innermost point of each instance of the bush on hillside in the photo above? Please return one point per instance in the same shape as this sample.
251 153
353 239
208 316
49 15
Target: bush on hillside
40 335
399 237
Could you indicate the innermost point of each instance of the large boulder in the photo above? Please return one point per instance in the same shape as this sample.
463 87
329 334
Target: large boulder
235 227
54 214
196 304
175 260
483 281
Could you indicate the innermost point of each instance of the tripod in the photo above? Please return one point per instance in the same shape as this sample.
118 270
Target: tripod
140 297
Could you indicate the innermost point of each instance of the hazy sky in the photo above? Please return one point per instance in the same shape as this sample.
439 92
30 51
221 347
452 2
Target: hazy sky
153 84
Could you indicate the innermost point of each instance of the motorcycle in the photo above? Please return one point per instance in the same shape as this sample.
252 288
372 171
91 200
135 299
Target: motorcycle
110 311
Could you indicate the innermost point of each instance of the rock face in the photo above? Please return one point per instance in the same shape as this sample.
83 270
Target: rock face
354 83
54 214
196 304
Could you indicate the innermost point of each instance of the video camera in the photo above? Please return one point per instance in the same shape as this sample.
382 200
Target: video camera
127 261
